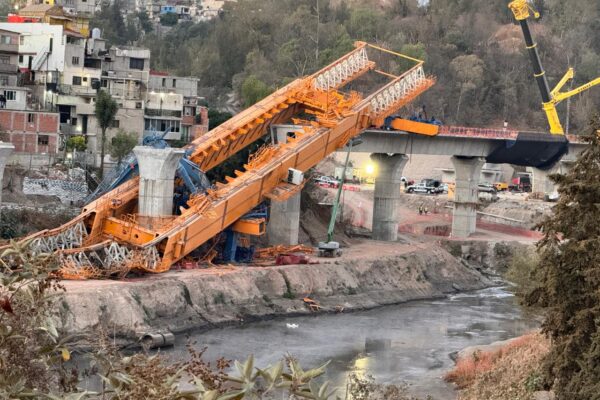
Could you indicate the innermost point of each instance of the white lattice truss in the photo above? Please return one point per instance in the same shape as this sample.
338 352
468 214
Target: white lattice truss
339 73
69 238
111 257
392 94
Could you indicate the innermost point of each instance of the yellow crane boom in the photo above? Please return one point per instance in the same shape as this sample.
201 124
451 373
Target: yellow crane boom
550 99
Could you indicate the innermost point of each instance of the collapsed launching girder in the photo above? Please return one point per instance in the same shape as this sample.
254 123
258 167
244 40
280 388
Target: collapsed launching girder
108 237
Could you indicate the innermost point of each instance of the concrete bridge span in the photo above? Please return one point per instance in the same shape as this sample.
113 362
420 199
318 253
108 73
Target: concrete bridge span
469 149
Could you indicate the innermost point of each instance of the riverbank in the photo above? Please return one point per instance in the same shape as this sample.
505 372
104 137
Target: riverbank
502 370
370 274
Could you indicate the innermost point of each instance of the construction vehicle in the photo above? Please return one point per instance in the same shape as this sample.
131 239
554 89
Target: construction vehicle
109 238
522 183
550 98
331 248
501 186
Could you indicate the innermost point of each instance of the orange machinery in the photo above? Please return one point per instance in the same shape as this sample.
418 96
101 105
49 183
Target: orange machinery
107 238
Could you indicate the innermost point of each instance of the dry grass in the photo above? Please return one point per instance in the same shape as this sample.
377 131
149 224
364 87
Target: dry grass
509 373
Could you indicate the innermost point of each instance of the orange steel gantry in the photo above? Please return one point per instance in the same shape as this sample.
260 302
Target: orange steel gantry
107 238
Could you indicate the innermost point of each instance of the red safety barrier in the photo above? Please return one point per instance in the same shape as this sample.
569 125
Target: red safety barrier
485 133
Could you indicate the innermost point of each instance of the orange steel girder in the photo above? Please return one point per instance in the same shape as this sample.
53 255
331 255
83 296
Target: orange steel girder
122 243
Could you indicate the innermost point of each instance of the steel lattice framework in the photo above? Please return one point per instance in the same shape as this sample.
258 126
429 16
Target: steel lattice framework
72 237
343 71
387 99
107 239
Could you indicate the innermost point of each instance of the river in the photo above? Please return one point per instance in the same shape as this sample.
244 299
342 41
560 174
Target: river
406 343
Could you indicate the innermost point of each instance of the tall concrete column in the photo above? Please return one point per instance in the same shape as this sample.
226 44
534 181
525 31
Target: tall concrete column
541 182
387 194
157 179
5 151
284 221
467 171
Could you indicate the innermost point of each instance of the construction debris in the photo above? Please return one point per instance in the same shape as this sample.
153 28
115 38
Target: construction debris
275 251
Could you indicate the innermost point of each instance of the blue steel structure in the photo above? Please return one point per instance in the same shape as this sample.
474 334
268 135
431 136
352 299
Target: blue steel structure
194 180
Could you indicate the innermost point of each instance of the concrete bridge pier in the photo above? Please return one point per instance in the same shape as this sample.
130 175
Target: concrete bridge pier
387 194
467 170
541 182
5 151
284 221
157 180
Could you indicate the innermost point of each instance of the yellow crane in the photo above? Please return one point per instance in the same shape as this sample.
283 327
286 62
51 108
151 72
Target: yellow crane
550 98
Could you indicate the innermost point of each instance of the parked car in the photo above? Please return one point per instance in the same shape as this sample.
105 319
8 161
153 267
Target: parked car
487 188
327 181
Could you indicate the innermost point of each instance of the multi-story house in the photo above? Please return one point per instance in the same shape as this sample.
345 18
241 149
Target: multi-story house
9 58
121 71
174 102
62 70
31 131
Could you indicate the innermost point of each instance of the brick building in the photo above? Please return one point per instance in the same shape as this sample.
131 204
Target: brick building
30 131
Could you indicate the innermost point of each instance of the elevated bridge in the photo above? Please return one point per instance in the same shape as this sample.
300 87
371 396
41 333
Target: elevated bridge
470 149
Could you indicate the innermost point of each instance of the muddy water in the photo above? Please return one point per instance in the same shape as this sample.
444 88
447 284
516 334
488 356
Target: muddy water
407 343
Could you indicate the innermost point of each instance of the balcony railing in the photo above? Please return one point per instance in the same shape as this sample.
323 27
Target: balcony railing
149 112
74 90
128 74
9 48
9 68
68 129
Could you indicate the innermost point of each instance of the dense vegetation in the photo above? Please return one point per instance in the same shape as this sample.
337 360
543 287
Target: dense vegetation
473 47
568 278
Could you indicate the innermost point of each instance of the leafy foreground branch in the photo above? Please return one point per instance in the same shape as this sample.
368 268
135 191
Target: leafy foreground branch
34 356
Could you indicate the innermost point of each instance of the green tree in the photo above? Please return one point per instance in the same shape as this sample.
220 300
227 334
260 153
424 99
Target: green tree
216 117
145 22
569 276
122 144
468 72
169 19
76 143
105 109
254 90
4 8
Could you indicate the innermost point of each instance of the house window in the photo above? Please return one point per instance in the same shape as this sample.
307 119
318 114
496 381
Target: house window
31 118
75 61
104 83
164 82
3 80
174 82
20 58
85 79
43 140
73 40
5 39
10 95
21 40
77 80
136 63
138 104
4 59
114 123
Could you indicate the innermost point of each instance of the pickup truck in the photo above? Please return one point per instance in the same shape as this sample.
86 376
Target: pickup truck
424 187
